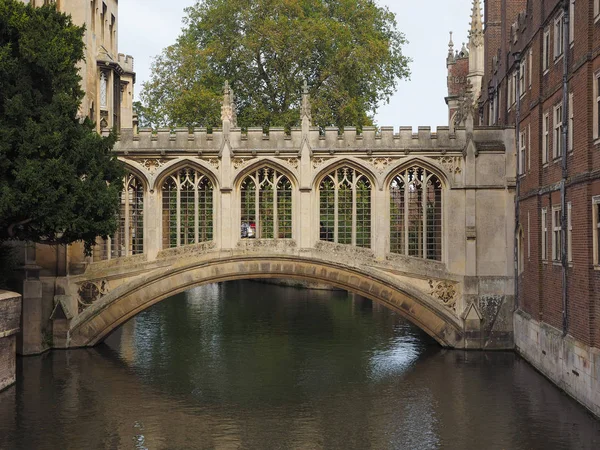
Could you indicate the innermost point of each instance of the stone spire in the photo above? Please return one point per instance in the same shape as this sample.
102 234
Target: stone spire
476 50
476 32
450 58
228 107
305 112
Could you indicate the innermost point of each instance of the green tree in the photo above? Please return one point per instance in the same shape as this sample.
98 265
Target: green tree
59 182
349 52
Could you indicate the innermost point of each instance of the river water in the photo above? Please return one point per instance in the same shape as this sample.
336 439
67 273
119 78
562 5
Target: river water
244 365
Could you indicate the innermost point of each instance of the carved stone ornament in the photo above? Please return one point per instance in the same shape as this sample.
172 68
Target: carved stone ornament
444 291
452 164
89 292
318 162
214 162
380 164
293 162
239 162
152 165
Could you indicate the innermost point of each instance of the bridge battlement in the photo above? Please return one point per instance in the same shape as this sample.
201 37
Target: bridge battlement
370 140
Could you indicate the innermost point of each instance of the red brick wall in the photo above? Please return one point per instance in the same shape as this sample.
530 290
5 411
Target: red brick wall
540 284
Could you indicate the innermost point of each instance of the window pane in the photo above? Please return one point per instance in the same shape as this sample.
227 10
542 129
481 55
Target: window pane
397 223
363 213
248 213
284 208
415 212
434 218
327 209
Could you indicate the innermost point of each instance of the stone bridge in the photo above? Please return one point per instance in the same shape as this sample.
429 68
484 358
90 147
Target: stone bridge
421 222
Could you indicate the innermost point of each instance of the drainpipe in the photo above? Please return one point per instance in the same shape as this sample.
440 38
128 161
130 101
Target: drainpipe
563 188
517 56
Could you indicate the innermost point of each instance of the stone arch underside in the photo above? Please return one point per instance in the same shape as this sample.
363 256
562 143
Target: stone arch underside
99 320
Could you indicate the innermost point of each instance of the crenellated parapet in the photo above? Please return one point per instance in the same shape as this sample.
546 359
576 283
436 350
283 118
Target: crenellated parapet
333 140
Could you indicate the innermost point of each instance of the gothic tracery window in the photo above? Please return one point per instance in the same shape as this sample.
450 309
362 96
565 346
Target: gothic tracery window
266 205
187 208
345 207
416 214
128 239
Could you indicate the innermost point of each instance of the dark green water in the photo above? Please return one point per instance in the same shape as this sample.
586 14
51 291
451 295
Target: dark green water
250 366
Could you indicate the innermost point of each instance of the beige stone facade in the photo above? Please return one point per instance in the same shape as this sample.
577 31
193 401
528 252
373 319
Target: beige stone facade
108 76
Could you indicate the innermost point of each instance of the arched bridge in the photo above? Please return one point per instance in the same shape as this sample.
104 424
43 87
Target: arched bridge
421 222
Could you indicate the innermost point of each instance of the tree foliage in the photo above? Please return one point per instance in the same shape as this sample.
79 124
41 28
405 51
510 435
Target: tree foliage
349 52
59 182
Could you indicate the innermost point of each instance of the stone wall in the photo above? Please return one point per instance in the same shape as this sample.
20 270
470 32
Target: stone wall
567 362
10 314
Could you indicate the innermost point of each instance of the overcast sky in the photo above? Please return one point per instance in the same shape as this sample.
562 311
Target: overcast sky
148 26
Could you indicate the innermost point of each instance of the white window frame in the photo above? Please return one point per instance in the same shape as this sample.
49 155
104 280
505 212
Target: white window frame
559 37
544 234
570 124
596 111
545 138
522 79
546 51
509 93
528 235
572 22
556 234
530 66
521 250
569 234
596 10
522 151
557 144
596 230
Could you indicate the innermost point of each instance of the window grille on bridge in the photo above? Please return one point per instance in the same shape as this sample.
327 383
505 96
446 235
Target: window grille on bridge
345 208
187 208
266 205
416 214
129 237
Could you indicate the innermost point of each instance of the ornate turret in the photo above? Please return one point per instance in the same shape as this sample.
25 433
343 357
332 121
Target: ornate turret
476 54
305 112
228 107
450 59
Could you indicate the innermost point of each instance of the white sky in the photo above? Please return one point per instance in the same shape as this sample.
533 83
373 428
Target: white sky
148 26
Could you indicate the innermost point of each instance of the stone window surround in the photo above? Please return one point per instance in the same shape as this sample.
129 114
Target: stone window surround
522 152
572 23
596 108
569 234
545 138
556 234
546 51
596 231
544 239
558 37
557 135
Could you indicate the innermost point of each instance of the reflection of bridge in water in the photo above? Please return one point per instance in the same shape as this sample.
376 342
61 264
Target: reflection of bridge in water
422 223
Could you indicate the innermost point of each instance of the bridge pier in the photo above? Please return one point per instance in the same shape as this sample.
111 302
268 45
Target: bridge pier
10 313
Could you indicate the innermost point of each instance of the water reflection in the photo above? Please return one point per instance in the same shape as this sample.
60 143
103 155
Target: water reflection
252 366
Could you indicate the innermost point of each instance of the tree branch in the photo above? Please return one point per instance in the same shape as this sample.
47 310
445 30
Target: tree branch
11 227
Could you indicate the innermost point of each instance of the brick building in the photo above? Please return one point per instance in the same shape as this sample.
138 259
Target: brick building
542 77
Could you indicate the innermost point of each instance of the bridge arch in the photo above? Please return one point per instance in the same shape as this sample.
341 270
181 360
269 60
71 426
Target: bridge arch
104 316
